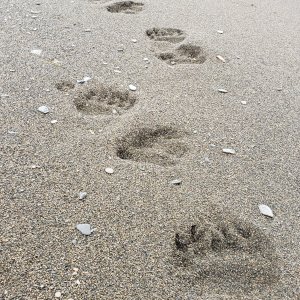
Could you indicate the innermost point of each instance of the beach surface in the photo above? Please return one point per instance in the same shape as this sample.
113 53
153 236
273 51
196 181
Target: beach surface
161 124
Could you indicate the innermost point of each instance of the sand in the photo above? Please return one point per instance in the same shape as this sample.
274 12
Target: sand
201 239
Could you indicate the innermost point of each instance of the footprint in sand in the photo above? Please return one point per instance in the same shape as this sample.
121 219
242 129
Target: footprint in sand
160 145
184 54
228 251
64 85
95 100
171 35
128 7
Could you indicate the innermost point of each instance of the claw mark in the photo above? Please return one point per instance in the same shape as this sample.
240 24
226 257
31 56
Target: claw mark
180 245
193 232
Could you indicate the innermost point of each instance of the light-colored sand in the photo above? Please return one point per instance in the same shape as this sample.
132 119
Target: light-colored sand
135 210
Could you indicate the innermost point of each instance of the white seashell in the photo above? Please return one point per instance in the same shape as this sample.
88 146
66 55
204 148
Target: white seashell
222 91
43 109
36 51
85 229
221 58
266 210
228 151
132 87
82 195
84 80
176 182
109 170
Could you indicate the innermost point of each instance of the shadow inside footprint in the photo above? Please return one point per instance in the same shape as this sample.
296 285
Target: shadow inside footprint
103 100
128 7
171 35
231 251
160 145
65 85
184 54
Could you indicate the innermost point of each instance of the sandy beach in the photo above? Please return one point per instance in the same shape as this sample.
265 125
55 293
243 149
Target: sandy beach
161 125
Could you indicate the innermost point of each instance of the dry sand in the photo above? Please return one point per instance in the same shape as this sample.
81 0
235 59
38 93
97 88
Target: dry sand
174 126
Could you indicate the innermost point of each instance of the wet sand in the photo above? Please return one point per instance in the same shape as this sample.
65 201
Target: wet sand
204 238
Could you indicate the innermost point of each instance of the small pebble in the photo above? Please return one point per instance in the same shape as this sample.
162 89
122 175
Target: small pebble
43 109
244 102
57 294
229 151
82 195
87 30
134 40
132 87
53 121
222 91
109 170
220 31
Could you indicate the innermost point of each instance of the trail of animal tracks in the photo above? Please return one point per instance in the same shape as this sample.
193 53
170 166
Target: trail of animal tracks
149 149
